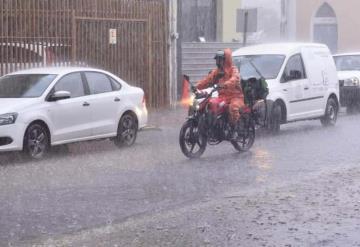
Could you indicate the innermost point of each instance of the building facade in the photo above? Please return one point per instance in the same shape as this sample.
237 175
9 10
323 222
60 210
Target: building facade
210 20
129 38
333 22
226 20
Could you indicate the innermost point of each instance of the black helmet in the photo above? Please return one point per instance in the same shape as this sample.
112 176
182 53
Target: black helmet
220 54
220 59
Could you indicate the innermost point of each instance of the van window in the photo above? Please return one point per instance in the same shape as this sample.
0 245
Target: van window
268 66
294 69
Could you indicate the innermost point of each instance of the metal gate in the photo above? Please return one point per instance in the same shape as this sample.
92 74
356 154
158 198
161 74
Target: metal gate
126 37
126 55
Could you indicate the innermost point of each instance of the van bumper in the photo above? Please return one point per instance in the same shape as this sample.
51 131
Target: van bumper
349 95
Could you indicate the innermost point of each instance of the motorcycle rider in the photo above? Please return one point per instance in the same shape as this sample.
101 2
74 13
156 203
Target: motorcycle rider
227 76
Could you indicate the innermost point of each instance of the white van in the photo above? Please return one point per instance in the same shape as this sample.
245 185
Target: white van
302 80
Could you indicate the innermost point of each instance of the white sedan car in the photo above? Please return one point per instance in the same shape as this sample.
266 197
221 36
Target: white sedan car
45 107
348 66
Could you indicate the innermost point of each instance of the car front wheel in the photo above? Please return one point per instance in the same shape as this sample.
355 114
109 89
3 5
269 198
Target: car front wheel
36 141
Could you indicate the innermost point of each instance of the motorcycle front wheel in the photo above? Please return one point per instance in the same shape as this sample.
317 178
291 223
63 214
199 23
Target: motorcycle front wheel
246 137
192 142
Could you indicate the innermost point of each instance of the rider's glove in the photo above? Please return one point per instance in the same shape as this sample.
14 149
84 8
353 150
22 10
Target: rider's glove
193 88
222 85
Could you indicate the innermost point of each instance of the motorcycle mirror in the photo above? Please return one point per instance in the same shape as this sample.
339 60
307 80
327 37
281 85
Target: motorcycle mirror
186 77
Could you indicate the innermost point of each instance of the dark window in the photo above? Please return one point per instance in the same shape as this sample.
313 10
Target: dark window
98 83
71 83
325 28
294 69
268 65
325 11
24 85
347 62
115 84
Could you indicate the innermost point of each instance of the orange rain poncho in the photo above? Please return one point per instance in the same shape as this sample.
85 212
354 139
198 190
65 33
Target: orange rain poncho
232 93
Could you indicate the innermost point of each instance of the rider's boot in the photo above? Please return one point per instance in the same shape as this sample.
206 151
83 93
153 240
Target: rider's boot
234 132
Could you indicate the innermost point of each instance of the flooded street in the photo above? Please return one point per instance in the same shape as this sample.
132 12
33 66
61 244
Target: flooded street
84 193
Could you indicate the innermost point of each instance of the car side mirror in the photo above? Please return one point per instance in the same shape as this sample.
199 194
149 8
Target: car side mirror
60 95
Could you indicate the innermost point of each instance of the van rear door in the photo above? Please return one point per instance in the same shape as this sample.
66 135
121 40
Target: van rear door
316 62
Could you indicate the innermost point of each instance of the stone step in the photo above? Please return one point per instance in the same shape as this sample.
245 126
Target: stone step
198 58
195 78
192 60
196 75
200 66
208 50
197 55
211 45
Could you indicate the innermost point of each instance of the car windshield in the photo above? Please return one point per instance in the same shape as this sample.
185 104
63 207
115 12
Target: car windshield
350 62
268 65
24 85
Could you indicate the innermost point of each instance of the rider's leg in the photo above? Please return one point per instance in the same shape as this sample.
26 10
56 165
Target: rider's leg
234 111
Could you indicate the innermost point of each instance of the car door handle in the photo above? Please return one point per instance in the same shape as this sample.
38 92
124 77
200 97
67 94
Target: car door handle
285 90
86 104
117 99
306 88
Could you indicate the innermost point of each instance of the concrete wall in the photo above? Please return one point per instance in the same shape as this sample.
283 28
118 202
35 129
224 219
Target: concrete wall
226 20
269 20
348 19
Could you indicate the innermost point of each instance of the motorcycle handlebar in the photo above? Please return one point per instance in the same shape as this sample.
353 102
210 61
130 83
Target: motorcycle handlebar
198 94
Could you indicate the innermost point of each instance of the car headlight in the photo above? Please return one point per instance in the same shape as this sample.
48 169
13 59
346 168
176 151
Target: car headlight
354 81
8 118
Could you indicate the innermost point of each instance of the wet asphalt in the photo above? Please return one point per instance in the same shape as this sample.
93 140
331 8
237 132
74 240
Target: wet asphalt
91 185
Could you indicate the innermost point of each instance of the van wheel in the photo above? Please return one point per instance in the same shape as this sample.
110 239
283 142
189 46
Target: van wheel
36 141
331 113
127 131
275 119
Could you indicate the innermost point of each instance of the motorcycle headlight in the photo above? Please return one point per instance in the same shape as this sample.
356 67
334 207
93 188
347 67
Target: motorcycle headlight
195 103
192 100
197 106
8 118
354 81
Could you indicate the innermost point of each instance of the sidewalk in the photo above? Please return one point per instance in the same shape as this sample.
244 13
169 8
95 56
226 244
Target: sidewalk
167 117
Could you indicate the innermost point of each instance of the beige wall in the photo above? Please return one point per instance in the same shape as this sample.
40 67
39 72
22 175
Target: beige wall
348 18
227 20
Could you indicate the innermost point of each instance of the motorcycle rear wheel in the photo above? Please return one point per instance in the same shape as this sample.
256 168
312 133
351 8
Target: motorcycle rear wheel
246 139
192 143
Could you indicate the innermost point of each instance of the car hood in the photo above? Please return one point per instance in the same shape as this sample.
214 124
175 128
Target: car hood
343 75
15 105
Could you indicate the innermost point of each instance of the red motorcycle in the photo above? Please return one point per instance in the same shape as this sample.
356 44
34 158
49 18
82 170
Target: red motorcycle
208 123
